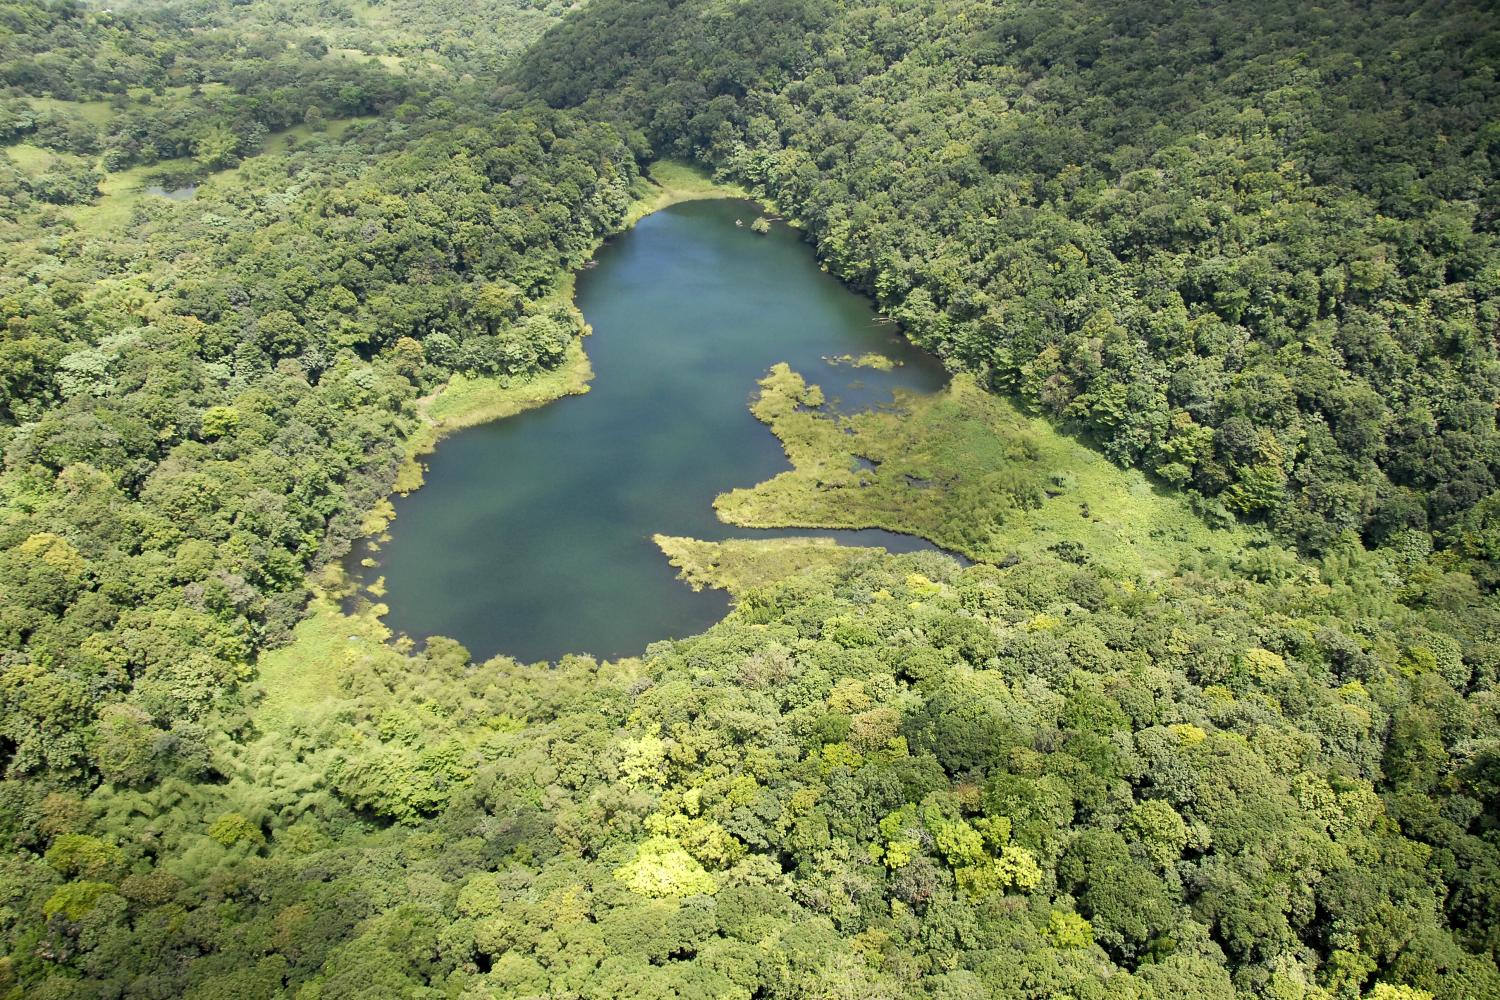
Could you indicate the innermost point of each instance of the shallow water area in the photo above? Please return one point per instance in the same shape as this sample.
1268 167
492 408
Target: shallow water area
532 535
182 193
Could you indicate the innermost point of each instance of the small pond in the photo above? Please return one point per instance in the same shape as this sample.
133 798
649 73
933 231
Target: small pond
182 193
532 535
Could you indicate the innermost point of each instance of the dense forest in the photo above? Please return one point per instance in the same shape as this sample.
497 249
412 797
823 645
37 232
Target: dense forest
1249 249
1252 251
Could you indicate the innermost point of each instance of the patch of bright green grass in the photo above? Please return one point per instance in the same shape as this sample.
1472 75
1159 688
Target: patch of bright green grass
301 678
395 64
668 182
93 112
119 194
469 401
34 160
740 565
186 91
466 402
122 190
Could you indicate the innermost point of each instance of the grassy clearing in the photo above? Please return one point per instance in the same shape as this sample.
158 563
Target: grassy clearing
183 91
739 565
123 190
966 470
466 402
395 64
284 140
668 182
119 194
93 112
300 679
34 160
469 401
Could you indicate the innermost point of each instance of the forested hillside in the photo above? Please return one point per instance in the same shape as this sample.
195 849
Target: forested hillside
1249 248
1244 745
886 778
202 399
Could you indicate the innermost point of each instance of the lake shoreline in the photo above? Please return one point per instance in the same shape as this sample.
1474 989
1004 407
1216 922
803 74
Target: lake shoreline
471 402
717 259
673 182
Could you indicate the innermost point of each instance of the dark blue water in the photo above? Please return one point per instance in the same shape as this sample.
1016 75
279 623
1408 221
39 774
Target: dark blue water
532 535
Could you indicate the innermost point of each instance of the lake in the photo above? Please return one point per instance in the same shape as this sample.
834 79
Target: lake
532 535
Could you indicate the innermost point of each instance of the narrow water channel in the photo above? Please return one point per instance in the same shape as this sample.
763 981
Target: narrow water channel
532 535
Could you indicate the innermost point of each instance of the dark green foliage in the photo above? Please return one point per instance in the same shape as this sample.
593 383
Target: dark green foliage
1248 248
